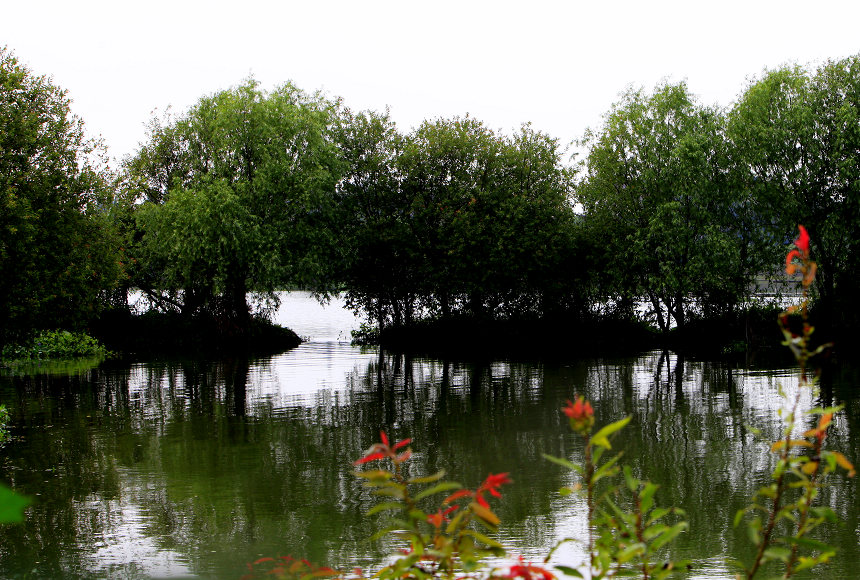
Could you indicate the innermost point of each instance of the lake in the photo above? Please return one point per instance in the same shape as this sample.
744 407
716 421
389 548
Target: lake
192 468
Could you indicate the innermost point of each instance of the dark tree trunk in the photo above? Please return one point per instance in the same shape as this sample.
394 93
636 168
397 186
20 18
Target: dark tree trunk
679 311
236 315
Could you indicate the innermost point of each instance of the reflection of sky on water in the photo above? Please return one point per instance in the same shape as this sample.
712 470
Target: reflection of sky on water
316 322
300 376
118 542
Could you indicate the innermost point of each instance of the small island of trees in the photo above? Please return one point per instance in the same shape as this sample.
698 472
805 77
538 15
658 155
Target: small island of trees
673 216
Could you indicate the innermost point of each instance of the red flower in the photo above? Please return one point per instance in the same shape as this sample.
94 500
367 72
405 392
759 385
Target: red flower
790 266
493 482
581 415
806 266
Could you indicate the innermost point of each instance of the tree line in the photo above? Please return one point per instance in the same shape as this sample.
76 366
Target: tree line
671 211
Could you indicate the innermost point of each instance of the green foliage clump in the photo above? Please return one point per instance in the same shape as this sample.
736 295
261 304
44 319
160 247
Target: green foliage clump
55 344
233 197
58 252
455 219
794 131
662 209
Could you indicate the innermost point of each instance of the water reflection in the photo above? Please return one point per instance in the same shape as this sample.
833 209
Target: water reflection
196 467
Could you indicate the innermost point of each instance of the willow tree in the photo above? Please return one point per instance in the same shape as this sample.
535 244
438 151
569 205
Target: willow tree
658 206
236 196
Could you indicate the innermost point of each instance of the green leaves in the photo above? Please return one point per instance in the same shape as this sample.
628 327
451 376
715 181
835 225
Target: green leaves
788 502
625 539
12 506
564 463
793 130
663 211
439 488
601 438
58 250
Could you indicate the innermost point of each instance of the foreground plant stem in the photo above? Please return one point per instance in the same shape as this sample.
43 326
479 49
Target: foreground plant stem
776 505
589 478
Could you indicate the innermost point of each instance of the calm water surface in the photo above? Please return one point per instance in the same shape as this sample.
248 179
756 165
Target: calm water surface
193 468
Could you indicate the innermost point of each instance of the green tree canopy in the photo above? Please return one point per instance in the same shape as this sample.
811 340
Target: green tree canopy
57 252
455 218
796 134
237 196
657 201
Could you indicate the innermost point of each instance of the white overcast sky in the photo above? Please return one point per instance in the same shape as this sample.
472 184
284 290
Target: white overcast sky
559 65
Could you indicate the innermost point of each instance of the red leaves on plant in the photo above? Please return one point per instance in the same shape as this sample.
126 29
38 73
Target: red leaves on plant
439 517
371 457
459 494
790 266
801 253
820 432
383 450
528 572
493 482
579 410
803 264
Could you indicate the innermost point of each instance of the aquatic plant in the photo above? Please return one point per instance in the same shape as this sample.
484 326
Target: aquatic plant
54 344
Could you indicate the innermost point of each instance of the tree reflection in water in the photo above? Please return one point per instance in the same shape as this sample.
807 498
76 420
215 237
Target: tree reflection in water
196 467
